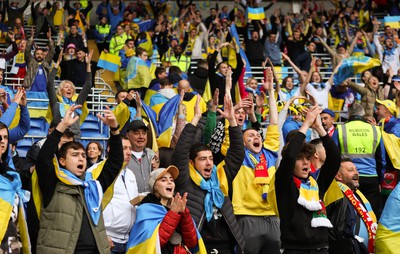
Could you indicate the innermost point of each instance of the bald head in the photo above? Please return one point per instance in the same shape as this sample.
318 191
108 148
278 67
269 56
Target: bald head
183 85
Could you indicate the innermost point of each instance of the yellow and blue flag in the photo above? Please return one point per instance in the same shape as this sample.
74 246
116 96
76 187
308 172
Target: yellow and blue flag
138 73
150 92
157 101
255 13
8 190
165 121
392 21
109 62
387 239
235 35
144 234
352 66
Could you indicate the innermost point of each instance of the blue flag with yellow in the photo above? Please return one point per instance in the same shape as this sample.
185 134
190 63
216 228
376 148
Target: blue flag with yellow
392 21
109 62
387 239
353 65
235 35
255 13
8 190
144 237
166 118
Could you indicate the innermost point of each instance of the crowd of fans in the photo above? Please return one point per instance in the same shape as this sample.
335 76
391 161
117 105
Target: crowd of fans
203 157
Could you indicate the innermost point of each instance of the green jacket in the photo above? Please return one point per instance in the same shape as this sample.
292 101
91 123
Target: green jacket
61 221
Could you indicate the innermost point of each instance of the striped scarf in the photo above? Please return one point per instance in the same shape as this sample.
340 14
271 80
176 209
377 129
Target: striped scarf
366 213
309 199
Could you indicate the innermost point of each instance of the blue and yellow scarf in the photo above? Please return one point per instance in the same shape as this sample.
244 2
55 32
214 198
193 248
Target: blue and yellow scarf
144 234
214 196
8 190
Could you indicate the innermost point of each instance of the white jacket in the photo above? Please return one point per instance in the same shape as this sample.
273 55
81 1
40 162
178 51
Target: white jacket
119 215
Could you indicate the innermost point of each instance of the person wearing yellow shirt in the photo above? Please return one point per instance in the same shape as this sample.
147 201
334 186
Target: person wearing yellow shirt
259 222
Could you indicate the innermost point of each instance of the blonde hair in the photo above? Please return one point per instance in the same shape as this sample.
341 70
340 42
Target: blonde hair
62 84
249 80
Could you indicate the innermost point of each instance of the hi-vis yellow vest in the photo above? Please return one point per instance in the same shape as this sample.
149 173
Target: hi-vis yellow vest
104 30
183 63
358 139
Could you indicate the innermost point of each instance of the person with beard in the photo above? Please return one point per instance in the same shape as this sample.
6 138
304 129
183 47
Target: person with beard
250 186
179 59
388 54
208 187
39 67
354 223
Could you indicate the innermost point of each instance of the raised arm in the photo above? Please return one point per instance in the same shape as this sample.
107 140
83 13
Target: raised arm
113 164
185 142
329 49
235 154
53 100
88 80
211 122
296 69
24 122
44 163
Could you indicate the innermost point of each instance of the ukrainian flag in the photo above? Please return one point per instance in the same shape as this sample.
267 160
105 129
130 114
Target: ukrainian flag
157 101
255 13
152 123
235 35
109 62
8 190
392 21
166 119
352 66
387 238
150 92
144 237
138 73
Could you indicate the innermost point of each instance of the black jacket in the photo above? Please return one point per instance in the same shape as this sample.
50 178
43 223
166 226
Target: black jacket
344 220
196 195
296 230
198 80
217 81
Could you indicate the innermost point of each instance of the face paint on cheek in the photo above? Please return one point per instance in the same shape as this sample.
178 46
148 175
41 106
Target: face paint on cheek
249 140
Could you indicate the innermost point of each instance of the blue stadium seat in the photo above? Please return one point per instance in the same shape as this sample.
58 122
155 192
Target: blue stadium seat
92 134
24 145
41 99
94 126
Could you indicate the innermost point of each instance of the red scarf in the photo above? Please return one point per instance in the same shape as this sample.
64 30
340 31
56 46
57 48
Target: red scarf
364 216
261 175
